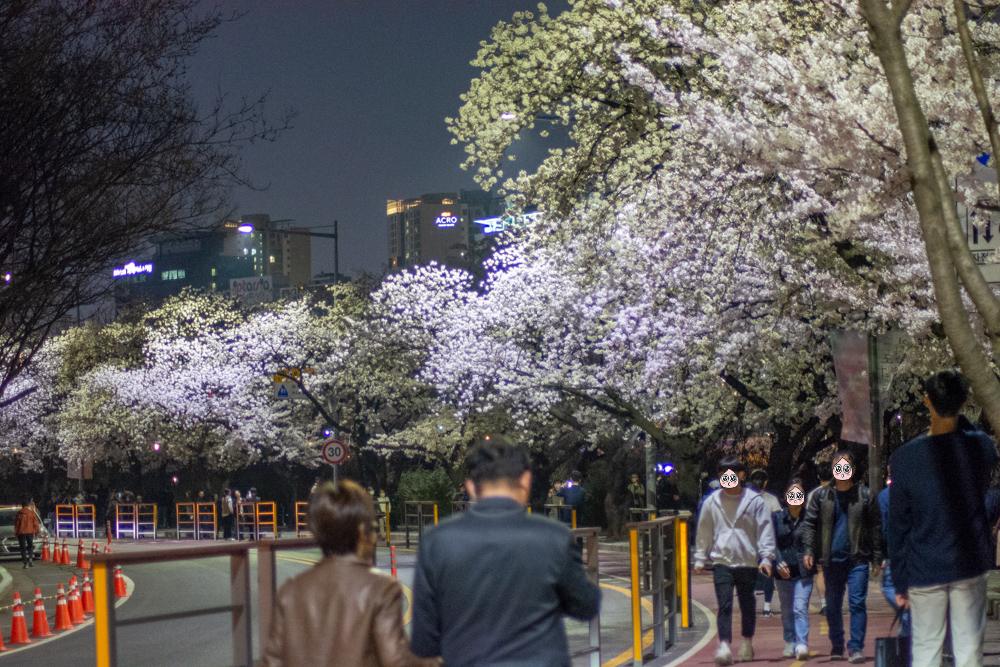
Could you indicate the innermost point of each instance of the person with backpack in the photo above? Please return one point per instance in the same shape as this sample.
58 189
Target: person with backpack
793 579
736 535
843 531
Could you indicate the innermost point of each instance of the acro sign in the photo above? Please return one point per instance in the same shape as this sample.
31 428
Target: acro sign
446 220
131 269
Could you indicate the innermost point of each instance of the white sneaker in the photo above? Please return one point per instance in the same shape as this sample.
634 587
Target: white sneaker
789 651
801 652
746 651
723 656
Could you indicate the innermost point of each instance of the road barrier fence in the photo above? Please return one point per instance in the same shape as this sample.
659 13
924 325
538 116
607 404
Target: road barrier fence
106 623
76 521
658 551
256 519
416 515
197 521
135 520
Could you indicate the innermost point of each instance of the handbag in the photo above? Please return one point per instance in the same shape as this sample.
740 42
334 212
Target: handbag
893 651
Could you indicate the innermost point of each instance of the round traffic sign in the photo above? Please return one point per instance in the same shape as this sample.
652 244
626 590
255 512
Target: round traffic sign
334 451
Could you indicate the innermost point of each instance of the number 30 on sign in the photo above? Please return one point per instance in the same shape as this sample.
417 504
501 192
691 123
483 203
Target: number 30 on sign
334 452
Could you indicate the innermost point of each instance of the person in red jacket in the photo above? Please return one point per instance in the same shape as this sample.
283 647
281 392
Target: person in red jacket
26 529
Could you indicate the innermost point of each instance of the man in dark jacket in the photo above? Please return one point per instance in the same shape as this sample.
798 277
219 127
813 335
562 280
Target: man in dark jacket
492 584
573 494
938 533
843 531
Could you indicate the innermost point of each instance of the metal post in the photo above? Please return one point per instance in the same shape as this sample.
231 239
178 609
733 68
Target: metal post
104 616
336 254
875 453
680 528
633 541
657 555
650 474
336 470
239 575
267 589
435 514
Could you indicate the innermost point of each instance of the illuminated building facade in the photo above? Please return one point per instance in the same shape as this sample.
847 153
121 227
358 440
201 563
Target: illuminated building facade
435 227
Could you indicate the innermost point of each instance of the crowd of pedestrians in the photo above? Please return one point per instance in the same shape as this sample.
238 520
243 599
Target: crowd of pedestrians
927 535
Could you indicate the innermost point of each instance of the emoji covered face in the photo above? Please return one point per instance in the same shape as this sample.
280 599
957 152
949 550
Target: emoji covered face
729 480
842 469
795 495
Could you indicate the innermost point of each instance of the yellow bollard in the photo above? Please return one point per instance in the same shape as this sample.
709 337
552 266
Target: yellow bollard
682 571
574 519
435 514
633 543
529 509
101 605
388 539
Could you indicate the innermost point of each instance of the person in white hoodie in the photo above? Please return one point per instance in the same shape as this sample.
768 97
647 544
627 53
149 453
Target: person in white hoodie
736 535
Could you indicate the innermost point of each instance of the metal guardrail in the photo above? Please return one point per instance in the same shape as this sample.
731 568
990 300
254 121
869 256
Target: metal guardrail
637 514
588 538
461 505
76 521
561 513
658 551
135 520
416 515
106 623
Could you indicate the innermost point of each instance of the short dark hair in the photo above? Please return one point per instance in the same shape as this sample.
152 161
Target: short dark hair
576 476
842 453
948 391
730 463
824 470
336 511
496 460
796 481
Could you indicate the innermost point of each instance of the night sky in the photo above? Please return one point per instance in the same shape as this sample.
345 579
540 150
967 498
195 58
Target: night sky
372 82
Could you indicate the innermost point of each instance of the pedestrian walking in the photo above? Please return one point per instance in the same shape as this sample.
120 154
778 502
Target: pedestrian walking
493 583
26 529
793 579
843 531
340 611
226 513
736 534
938 533
573 495
636 492
758 482
824 472
888 587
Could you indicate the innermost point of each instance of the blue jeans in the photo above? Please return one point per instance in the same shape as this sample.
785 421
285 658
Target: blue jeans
890 596
851 578
794 596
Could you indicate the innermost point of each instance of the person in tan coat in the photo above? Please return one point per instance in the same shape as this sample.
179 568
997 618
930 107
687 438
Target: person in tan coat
341 612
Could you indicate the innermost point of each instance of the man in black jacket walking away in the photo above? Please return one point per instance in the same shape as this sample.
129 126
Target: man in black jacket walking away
492 584
938 532
843 531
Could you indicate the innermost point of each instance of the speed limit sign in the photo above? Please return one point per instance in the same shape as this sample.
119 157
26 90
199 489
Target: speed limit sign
334 452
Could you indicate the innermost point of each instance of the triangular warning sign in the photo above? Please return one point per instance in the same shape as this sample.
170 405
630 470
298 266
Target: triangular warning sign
282 392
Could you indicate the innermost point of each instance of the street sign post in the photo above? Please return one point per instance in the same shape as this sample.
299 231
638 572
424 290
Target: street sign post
334 453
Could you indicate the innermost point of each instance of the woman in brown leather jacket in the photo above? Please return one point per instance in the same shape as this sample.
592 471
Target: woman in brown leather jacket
340 612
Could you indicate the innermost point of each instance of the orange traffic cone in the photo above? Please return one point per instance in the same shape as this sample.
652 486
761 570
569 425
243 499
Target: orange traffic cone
392 551
75 606
94 550
107 548
19 629
40 621
88 595
64 558
2 649
121 590
63 621
46 555
81 558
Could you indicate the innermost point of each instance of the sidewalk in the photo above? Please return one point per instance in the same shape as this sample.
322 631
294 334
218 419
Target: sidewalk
769 642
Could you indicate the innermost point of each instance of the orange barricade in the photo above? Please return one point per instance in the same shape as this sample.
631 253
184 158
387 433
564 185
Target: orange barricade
246 521
196 521
76 521
125 521
208 525
136 520
267 520
187 525
302 520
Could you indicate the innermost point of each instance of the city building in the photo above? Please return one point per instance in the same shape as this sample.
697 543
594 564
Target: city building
436 227
253 257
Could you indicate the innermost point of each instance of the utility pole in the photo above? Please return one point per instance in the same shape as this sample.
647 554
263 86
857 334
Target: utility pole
336 254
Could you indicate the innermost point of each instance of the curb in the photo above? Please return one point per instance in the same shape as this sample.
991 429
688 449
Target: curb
5 581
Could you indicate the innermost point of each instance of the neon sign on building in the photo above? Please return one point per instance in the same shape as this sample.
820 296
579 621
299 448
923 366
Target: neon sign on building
132 269
446 220
496 225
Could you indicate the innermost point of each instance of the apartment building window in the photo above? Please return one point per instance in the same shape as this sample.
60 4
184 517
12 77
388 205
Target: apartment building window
213 273
175 274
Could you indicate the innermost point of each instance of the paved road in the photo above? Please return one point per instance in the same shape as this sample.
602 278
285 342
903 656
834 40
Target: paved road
173 587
